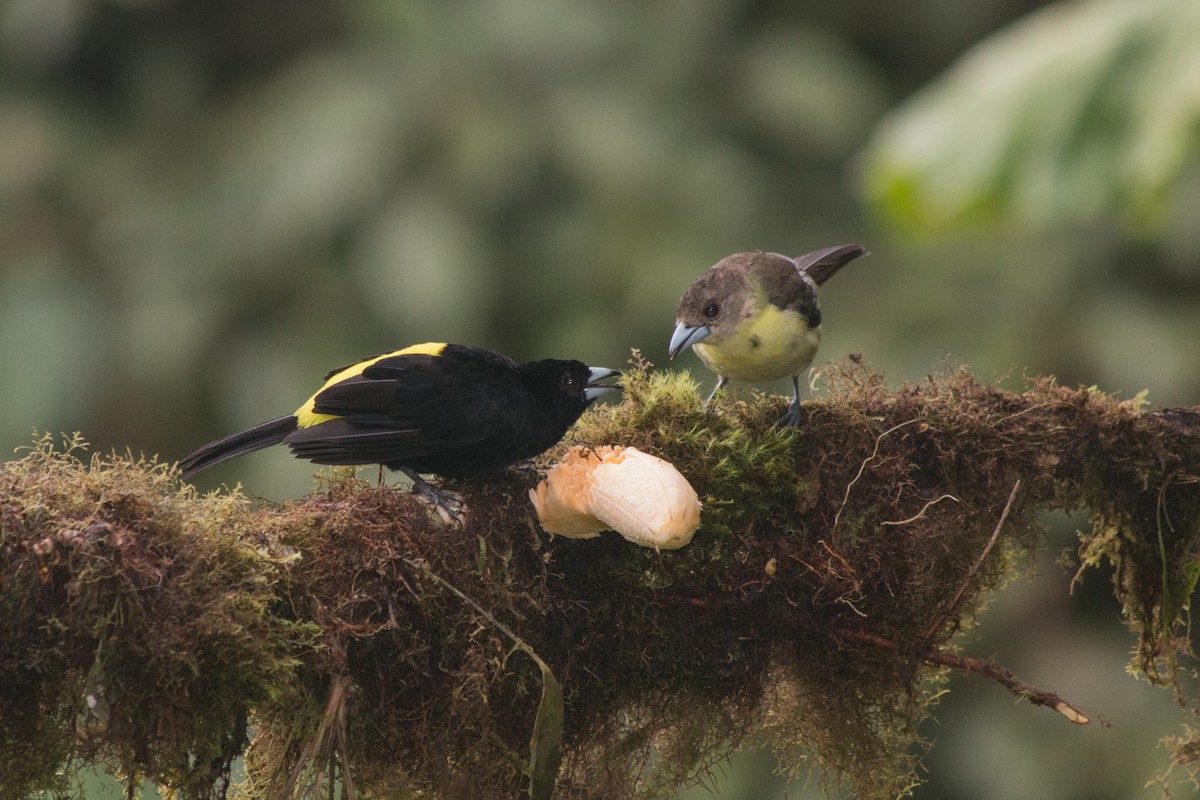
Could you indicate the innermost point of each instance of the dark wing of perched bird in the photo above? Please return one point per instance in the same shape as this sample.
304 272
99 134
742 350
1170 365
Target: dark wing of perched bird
435 408
791 283
821 265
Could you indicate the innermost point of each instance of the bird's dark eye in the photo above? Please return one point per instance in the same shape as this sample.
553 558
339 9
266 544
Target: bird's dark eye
711 310
571 384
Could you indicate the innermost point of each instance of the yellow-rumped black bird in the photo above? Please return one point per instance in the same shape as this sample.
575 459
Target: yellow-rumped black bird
445 409
755 317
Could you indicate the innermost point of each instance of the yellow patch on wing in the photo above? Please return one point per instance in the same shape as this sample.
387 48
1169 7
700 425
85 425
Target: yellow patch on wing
775 343
306 417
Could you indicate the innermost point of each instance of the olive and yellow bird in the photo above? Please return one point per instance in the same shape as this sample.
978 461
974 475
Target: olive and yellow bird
433 408
755 317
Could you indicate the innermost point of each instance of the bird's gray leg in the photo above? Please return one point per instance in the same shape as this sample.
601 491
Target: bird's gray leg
448 505
791 418
706 409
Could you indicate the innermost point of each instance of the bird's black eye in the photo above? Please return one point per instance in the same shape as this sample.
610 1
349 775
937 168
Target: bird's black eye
570 384
711 310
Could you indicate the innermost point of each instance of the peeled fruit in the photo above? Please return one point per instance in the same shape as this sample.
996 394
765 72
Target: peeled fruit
640 496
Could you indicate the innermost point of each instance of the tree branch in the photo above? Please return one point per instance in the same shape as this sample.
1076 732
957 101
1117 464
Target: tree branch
145 625
986 669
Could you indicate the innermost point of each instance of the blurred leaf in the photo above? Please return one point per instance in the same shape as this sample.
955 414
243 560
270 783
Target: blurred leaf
545 748
810 89
1082 111
41 33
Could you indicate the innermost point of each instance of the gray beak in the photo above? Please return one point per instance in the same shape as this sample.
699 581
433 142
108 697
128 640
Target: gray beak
685 336
594 389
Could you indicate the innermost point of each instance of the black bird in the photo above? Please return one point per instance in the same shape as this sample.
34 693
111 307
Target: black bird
445 409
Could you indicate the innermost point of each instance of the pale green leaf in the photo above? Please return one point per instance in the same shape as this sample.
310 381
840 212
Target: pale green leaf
1080 112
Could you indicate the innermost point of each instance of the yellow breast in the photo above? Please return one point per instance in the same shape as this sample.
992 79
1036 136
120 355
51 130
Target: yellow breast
305 415
775 344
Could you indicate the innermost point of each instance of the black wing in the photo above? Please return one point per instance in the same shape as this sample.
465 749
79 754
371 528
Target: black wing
340 441
428 413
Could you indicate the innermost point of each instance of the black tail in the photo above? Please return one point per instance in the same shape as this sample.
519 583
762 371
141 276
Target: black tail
822 264
260 436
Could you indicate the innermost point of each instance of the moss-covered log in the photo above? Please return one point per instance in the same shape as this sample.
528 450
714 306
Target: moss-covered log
149 628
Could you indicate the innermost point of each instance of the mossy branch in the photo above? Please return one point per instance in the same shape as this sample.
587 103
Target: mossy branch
148 628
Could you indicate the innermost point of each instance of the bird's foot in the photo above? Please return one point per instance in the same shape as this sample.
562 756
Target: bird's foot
527 467
791 418
706 410
446 504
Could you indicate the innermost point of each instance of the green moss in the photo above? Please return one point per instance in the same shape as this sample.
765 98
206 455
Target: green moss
140 621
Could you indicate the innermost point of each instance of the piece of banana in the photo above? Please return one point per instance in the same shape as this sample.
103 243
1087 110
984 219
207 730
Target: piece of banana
640 496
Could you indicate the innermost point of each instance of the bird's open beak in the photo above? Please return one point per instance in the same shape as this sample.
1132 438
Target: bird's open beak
685 336
594 389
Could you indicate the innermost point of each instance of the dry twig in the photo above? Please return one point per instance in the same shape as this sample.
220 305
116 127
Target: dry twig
988 669
952 607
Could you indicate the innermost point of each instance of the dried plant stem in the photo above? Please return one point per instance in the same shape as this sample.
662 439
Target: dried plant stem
863 466
318 752
987 669
952 607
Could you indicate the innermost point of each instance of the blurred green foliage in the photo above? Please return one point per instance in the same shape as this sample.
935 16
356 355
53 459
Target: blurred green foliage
1084 111
206 206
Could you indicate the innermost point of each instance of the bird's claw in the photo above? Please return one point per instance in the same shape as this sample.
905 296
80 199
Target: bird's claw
790 418
706 410
446 504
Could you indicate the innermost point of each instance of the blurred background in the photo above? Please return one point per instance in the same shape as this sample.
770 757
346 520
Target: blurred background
204 207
